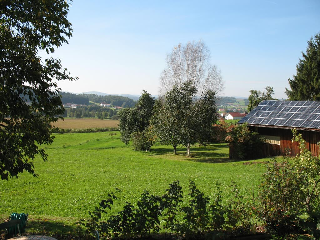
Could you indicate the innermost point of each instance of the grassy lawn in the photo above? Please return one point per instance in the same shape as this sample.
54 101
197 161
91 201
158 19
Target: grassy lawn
83 167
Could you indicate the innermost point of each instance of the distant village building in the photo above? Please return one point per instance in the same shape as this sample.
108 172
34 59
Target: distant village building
105 105
234 116
275 120
70 105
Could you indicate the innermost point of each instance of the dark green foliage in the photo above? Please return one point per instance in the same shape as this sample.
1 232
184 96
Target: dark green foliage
29 96
256 97
244 144
290 194
305 85
84 99
174 119
195 214
281 199
134 122
239 213
196 218
74 98
205 112
91 111
170 203
143 141
127 125
222 101
114 100
181 119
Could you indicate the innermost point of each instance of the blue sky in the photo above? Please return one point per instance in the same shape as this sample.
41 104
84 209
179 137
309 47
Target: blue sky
120 47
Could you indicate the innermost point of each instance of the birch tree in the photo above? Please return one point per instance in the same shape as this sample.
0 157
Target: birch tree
189 86
191 62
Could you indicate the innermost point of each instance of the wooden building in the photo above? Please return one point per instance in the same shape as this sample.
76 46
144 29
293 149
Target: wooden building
275 120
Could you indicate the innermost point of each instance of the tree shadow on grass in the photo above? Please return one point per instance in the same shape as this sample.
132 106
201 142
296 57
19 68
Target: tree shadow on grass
212 153
56 229
164 150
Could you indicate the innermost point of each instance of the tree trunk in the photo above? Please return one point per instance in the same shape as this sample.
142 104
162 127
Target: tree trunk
175 150
188 150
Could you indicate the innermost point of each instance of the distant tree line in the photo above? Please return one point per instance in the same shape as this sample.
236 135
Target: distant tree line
225 100
91 111
114 100
86 99
74 98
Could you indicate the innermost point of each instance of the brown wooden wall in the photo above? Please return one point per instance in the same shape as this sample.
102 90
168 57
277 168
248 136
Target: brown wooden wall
287 147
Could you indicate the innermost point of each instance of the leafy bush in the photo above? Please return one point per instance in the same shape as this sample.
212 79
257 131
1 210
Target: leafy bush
290 194
195 218
221 130
142 141
239 213
244 144
134 122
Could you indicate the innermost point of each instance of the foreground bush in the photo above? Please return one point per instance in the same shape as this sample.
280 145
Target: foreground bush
243 143
290 194
193 216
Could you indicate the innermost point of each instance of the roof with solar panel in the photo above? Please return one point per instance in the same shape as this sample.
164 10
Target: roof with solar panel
285 114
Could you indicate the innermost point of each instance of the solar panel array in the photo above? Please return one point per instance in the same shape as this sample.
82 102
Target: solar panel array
299 114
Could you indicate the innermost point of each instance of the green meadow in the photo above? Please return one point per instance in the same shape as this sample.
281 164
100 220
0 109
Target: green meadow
83 167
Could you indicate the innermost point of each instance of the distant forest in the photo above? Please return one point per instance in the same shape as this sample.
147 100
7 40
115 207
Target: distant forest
225 100
87 99
91 105
121 101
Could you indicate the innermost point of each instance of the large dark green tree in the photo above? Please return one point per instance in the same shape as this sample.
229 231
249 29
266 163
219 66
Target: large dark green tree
173 116
257 96
136 120
305 85
29 95
205 113
181 118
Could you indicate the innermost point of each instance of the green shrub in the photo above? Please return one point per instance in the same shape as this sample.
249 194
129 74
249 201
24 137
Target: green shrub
290 194
244 144
142 141
195 218
239 213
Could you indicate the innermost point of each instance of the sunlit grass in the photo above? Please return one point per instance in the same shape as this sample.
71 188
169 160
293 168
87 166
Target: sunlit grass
83 167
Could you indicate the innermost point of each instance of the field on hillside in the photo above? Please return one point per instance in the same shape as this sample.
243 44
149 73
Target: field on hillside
84 123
